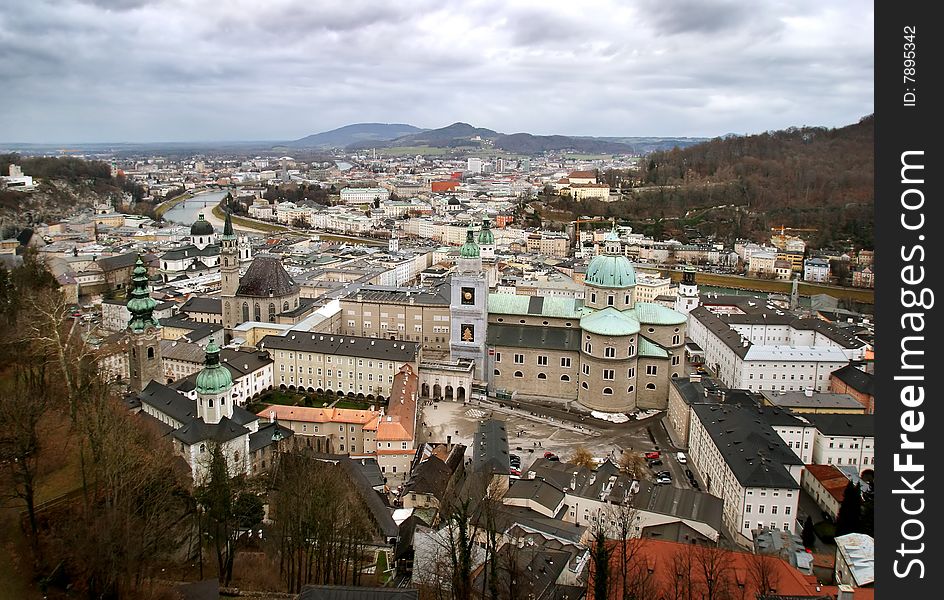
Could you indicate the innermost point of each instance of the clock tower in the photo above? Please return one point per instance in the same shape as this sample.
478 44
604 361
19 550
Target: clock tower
468 308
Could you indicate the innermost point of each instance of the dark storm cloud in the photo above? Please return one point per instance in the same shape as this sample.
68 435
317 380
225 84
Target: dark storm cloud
243 69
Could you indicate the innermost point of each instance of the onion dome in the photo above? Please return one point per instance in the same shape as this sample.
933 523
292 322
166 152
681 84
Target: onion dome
469 249
215 378
486 237
201 227
141 305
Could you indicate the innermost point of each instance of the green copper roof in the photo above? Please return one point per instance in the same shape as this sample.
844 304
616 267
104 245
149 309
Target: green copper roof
610 271
544 306
141 305
650 349
215 378
469 249
650 313
486 237
609 321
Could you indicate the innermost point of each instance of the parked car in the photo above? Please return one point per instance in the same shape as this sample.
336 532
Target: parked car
655 463
514 460
689 474
549 454
680 456
554 458
652 455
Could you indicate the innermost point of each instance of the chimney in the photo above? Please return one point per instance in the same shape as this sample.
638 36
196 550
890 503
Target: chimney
573 481
846 592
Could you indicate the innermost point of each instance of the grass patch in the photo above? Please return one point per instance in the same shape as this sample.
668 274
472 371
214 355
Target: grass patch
382 576
356 404
248 223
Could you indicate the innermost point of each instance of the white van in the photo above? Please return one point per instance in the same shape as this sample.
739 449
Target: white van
681 458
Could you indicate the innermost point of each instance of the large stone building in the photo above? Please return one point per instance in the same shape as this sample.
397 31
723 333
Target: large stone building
610 353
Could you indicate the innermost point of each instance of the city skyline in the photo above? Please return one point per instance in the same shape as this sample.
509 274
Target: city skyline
168 71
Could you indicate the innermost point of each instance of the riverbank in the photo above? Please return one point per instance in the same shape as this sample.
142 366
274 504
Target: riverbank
161 209
772 286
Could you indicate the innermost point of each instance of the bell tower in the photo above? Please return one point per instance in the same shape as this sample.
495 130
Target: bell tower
213 384
229 275
468 307
687 298
144 332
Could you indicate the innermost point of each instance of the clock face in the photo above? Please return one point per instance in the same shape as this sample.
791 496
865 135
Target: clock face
468 295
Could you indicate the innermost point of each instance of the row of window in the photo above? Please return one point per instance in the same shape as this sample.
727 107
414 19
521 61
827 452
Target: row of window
773 509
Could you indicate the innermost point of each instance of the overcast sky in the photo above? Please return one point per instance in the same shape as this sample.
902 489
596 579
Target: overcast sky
196 70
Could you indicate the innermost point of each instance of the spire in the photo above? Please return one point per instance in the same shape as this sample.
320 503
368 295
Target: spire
228 226
141 305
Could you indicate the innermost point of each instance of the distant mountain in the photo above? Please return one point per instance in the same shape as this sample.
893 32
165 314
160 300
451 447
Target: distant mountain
358 133
525 143
456 135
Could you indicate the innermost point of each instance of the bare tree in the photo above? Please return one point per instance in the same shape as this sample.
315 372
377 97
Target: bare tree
582 458
763 573
24 401
716 572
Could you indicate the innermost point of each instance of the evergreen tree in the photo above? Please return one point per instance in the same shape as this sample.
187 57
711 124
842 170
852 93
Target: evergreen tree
849 519
601 566
809 534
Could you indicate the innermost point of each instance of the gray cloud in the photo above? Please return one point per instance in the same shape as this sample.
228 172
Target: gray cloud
129 70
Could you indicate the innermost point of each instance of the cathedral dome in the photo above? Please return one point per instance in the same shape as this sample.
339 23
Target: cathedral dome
610 271
215 378
201 227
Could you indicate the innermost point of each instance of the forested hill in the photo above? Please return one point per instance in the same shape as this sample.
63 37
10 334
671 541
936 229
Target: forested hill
809 165
800 177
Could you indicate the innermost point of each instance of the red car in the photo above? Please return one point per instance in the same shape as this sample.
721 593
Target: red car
651 455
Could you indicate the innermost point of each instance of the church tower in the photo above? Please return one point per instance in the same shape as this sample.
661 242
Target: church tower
214 384
144 332
487 241
468 307
687 298
229 275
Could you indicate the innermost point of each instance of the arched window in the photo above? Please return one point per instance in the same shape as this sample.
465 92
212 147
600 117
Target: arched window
587 348
593 298
271 312
565 377
150 352
257 312
650 386
675 340
610 300
585 386
609 352
676 375
210 403
631 389
607 391
245 311
542 376
497 372
519 374
285 306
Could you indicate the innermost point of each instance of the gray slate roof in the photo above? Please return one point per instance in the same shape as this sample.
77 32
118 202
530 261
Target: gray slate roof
202 305
197 430
266 276
168 401
490 448
855 378
376 348
843 425
752 449
524 336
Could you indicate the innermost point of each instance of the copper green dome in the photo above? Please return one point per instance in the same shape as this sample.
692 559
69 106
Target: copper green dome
610 271
215 378
486 237
141 305
469 249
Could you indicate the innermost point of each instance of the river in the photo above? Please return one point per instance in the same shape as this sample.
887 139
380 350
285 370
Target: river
187 211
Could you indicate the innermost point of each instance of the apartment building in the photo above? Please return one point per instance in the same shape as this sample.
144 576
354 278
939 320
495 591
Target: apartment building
418 315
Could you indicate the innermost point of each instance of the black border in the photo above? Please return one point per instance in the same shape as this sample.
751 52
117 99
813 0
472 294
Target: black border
900 128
